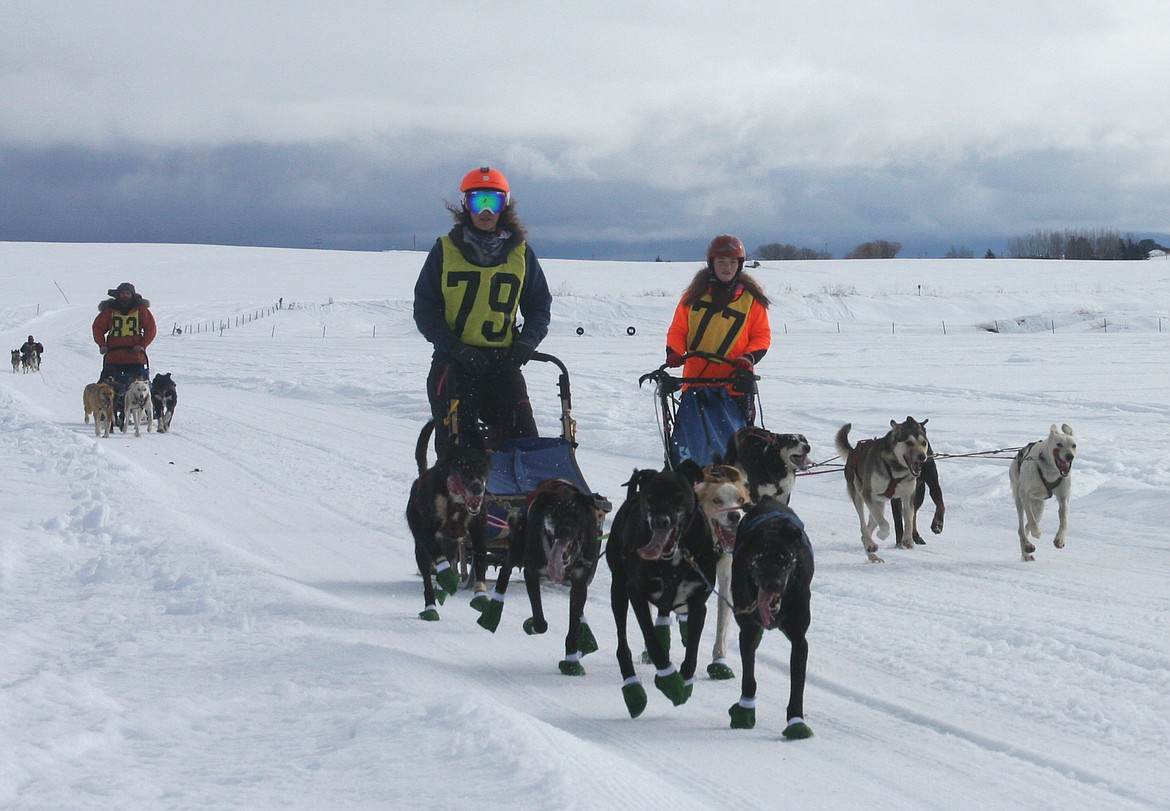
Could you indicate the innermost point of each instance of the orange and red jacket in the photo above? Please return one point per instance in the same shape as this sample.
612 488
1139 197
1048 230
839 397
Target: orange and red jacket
741 328
120 331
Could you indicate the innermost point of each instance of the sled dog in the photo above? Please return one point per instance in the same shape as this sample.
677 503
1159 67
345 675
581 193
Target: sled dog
1040 471
137 406
723 497
446 509
164 397
768 461
881 469
558 536
98 400
662 556
771 576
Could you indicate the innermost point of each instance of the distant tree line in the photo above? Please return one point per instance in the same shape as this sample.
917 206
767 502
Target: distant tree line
1080 244
774 251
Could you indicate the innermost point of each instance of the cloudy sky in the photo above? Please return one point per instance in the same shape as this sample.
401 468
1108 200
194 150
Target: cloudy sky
627 129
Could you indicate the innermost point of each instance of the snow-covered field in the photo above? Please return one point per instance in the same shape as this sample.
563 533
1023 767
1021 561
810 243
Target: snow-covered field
226 616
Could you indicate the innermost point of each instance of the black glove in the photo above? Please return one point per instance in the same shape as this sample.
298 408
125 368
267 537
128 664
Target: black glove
522 352
470 359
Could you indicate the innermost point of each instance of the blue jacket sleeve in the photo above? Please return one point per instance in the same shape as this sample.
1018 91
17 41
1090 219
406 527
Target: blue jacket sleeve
429 306
535 301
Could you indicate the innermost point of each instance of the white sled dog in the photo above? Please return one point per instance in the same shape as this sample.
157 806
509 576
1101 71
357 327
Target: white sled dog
138 407
1040 471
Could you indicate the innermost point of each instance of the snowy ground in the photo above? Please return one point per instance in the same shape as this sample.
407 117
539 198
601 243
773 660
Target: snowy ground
226 616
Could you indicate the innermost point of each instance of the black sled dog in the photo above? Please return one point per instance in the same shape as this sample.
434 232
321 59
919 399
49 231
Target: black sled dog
445 509
661 554
165 395
771 575
558 536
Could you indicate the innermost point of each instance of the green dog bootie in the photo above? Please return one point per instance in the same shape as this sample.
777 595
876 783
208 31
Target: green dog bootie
797 730
448 580
662 632
742 717
490 616
586 641
430 615
480 601
673 687
571 668
634 695
720 671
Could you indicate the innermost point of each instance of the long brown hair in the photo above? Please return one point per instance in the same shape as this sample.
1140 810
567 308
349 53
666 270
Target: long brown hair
706 278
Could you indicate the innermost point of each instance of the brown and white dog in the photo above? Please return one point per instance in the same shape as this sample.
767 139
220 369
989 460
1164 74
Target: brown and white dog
15 361
98 400
723 497
881 469
1040 471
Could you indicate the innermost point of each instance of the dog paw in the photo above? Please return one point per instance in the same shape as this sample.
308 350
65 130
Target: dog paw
1058 542
586 641
532 627
936 526
635 697
918 540
673 687
797 730
1026 557
572 668
874 558
742 717
489 618
720 671
430 615
448 579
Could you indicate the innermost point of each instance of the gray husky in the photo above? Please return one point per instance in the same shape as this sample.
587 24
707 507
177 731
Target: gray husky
881 469
1040 471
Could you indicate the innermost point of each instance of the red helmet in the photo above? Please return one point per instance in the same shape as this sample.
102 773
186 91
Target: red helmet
726 245
484 178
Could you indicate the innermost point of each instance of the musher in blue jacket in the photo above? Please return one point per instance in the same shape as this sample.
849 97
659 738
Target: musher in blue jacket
474 282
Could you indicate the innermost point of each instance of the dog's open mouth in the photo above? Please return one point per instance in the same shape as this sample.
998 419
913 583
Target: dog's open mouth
472 501
559 558
800 461
662 544
769 605
724 537
1063 464
913 463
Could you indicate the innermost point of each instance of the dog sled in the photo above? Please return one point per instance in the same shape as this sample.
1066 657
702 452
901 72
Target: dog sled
520 466
698 415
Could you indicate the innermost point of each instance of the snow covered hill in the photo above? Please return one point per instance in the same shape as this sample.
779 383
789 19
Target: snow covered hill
226 616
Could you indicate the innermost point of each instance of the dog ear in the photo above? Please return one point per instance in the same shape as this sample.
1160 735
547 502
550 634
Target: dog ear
1064 427
691 471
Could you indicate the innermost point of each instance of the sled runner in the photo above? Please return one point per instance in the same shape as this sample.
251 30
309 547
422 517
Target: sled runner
698 415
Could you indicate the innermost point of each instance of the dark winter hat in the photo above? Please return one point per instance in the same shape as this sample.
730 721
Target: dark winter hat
123 286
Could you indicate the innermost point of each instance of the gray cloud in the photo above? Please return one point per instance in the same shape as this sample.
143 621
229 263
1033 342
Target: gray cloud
628 130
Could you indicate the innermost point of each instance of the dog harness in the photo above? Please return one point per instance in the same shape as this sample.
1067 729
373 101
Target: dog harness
1040 462
853 467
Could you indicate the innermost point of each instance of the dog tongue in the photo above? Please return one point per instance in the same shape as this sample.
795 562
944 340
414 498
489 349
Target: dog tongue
658 541
1062 464
765 598
556 562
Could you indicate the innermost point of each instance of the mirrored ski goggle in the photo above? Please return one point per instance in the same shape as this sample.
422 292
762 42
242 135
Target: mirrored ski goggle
486 200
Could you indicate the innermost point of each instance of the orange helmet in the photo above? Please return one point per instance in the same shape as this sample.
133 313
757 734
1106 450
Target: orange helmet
484 178
726 245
